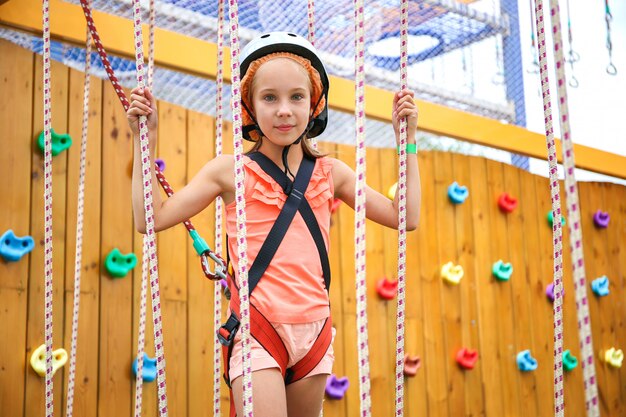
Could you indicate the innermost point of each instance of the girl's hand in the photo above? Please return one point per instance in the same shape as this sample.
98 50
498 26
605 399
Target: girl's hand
142 103
404 106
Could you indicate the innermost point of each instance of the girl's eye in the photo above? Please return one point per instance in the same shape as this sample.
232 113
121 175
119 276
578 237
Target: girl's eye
297 96
269 97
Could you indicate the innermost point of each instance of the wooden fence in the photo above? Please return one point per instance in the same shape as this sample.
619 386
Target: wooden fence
499 319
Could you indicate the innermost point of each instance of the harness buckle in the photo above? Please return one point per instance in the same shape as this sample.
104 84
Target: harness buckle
227 331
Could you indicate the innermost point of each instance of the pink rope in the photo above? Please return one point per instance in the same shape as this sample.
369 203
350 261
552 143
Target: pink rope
556 212
576 244
242 244
47 194
79 231
359 218
149 214
217 294
400 314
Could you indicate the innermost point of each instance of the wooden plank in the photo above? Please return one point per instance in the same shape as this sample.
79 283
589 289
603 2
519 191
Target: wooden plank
415 387
201 333
573 381
172 252
544 313
434 363
16 116
450 294
490 361
335 253
381 313
116 295
615 199
348 336
602 265
613 308
518 224
595 265
172 148
503 292
468 296
86 377
35 390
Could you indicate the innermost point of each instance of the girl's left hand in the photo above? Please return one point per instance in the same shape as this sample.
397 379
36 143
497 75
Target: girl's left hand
404 106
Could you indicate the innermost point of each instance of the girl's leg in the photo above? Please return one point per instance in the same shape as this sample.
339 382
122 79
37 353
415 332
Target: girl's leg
268 394
304 398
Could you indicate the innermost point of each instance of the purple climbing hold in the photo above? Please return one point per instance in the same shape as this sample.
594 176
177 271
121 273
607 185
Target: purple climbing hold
601 219
336 387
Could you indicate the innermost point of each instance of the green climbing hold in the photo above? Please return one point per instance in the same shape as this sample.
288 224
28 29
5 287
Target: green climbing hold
118 264
502 271
59 142
569 361
551 219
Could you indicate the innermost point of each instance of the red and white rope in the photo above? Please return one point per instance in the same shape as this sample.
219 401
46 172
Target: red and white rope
47 195
217 293
79 231
145 253
103 56
576 244
141 337
557 238
311 37
404 17
242 243
149 214
359 215
311 20
152 27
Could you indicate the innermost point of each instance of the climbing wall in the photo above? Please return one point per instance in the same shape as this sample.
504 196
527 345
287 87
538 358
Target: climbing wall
498 318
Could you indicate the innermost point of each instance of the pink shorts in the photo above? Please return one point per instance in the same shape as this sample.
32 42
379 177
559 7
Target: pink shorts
298 339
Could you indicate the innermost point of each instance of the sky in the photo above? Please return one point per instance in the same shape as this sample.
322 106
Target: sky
598 105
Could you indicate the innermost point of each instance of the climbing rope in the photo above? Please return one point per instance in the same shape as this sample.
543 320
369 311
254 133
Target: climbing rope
359 217
145 248
608 18
311 19
573 56
47 194
242 243
404 17
79 231
217 294
533 41
556 211
311 37
576 244
149 215
203 250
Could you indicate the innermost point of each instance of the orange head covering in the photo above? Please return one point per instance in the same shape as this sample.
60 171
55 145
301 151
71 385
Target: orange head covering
317 98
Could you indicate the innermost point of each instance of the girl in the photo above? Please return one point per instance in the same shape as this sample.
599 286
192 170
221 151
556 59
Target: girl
284 98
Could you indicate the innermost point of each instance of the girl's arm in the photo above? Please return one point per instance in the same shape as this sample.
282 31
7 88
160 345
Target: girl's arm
378 207
214 179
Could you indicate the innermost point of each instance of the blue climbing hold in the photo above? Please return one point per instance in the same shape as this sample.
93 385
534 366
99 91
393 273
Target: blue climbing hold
457 194
149 371
600 286
525 362
12 248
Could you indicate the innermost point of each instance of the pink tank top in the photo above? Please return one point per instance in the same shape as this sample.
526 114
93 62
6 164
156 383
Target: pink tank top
292 288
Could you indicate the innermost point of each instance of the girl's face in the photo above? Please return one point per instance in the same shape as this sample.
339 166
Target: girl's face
281 100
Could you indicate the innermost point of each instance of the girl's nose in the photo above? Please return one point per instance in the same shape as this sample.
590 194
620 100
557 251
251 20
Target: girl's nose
284 109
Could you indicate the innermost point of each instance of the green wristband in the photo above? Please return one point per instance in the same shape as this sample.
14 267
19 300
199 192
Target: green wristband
410 148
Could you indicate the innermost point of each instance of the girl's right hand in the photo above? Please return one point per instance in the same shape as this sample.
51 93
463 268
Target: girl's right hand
142 103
